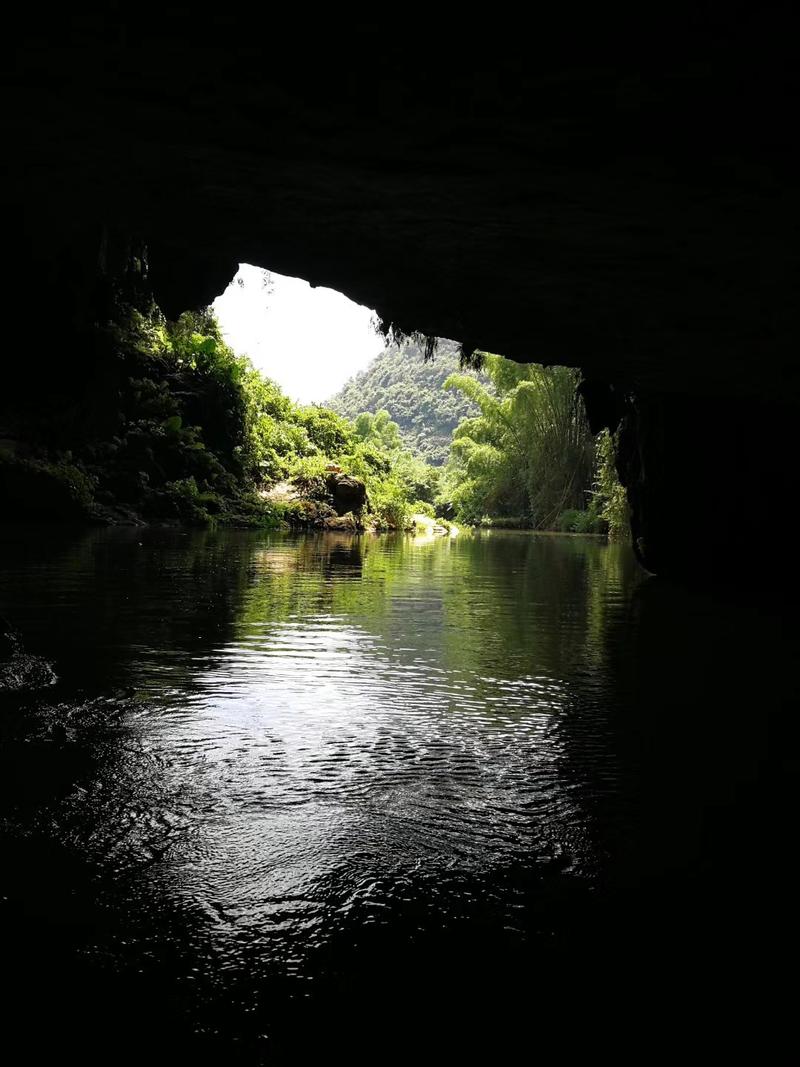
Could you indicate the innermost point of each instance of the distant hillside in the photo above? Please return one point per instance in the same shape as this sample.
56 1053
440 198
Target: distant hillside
410 389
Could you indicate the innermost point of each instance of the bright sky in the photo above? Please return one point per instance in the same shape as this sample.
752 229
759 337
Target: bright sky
310 341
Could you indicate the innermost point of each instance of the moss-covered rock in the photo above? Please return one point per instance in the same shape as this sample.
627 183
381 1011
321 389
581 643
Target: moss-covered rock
307 512
346 522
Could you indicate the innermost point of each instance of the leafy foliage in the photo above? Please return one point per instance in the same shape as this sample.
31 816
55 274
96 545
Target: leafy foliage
610 497
397 481
213 423
527 453
201 436
588 521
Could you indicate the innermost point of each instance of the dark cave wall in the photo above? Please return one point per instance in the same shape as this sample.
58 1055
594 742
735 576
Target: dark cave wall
614 191
711 483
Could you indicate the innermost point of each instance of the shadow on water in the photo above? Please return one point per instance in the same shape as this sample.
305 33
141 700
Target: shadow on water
298 796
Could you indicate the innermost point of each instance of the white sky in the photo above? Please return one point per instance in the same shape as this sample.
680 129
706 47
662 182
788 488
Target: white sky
310 341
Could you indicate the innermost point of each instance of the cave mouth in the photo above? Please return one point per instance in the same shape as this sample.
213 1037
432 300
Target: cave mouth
207 417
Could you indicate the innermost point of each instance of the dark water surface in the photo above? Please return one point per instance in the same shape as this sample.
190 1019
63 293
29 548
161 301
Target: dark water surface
333 795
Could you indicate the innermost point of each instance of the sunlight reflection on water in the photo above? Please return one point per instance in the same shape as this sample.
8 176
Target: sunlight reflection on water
331 734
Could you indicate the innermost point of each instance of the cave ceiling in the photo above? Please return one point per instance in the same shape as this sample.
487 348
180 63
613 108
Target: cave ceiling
618 196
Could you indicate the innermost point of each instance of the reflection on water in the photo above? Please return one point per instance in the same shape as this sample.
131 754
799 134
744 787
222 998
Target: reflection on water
294 783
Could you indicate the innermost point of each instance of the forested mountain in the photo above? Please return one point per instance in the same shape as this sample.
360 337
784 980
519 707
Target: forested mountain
402 383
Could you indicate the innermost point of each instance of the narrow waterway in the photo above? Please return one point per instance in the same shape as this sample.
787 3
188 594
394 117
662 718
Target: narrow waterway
294 793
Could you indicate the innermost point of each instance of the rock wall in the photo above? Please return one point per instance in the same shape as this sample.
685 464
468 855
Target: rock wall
711 483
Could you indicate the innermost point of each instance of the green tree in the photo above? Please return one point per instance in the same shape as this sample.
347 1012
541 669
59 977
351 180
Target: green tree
378 429
529 452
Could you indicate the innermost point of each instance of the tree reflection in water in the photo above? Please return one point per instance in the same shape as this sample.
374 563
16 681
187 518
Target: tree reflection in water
302 793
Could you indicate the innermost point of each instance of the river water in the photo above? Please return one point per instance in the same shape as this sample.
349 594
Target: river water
300 795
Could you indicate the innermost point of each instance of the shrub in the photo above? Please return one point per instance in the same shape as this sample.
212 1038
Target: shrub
422 507
389 506
574 520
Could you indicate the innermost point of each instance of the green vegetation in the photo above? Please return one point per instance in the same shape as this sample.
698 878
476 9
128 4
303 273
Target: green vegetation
402 382
513 441
174 427
528 454
184 430
610 497
398 484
